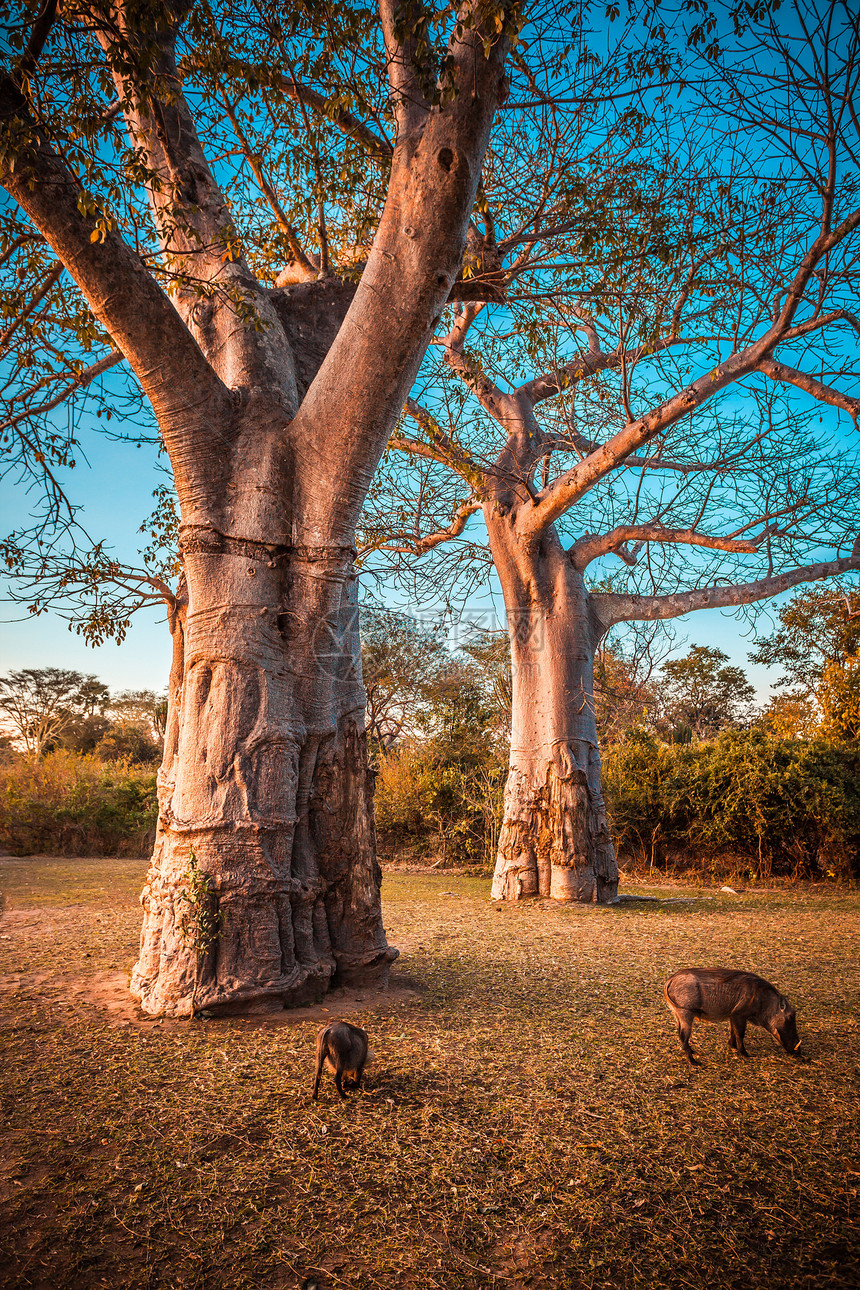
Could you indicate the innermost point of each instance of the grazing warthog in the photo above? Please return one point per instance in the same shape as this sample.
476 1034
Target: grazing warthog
715 994
343 1049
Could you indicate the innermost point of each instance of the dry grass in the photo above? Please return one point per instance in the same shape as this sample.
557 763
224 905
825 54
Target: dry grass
529 1121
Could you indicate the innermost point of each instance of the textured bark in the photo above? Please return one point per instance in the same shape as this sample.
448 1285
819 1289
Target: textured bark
265 778
554 839
275 408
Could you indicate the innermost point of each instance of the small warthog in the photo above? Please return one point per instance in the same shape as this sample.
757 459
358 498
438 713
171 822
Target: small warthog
343 1049
715 994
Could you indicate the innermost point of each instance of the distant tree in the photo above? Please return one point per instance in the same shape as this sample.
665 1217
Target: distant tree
839 699
441 785
42 703
790 716
93 696
455 710
400 659
139 708
491 654
820 626
83 733
702 695
623 694
129 741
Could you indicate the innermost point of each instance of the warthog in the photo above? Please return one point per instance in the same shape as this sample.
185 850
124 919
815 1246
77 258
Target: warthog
715 994
343 1049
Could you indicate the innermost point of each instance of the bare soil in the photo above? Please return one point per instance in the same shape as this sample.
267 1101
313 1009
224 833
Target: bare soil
529 1120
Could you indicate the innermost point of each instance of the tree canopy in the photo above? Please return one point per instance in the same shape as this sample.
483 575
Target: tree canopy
667 377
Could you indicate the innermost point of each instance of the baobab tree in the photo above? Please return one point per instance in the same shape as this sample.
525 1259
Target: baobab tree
639 420
273 405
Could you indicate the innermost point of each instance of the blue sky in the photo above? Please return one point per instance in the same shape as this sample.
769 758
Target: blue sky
114 489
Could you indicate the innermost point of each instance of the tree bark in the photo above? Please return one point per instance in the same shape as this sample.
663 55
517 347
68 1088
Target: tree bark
265 778
554 840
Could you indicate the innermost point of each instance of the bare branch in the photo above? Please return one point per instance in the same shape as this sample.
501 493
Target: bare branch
443 447
593 545
425 544
503 407
614 608
552 502
824 320
824 393
596 360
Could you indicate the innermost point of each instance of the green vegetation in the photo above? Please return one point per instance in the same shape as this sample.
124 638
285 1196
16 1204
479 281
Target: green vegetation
744 804
762 805
528 1121
69 803
690 784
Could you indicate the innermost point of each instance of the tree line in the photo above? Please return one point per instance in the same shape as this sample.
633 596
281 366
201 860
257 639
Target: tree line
697 776
46 709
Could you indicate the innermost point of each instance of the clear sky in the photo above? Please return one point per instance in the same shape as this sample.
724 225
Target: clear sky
113 485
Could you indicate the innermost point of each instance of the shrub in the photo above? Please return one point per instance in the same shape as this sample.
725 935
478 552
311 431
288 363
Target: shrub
428 795
791 806
71 803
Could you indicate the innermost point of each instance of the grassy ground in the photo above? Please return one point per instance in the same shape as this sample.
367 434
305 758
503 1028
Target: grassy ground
528 1121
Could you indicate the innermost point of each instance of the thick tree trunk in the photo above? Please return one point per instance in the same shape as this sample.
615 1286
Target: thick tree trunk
275 409
554 840
265 779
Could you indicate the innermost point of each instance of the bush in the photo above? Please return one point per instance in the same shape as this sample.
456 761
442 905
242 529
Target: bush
432 798
71 803
792 807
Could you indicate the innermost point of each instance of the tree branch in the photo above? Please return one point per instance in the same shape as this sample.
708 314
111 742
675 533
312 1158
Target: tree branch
34 301
191 213
614 608
443 448
307 270
405 34
425 544
815 324
824 393
85 378
270 77
38 36
588 548
122 294
411 269
504 408
596 360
